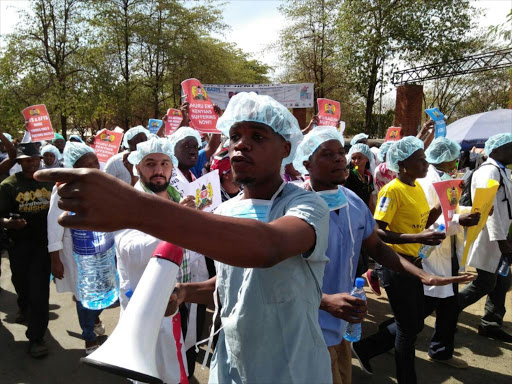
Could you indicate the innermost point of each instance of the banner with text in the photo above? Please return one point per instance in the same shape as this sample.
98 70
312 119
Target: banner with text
290 95
201 114
448 192
39 124
173 121
329 112
106 144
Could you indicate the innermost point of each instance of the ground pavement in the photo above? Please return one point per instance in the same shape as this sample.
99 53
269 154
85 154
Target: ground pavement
490 360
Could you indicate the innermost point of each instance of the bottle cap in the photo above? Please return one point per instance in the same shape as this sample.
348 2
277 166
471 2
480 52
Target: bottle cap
359 282
441 227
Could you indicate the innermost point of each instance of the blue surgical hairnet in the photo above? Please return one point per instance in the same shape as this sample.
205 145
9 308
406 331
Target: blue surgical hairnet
8 136
383 150
311 142
497 141
360 148
132 132
402 150
52 149
76 137
441 150
159 145
183 133
74 151
248 106
359 136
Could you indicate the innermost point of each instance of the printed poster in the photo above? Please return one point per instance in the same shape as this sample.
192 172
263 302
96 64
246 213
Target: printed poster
393 134
106 144
329 112
482 202
201 114
39 124
300 95
440 125
154 125
449 194
174 119
206 191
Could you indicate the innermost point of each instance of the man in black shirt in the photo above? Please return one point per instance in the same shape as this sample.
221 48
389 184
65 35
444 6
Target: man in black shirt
24 204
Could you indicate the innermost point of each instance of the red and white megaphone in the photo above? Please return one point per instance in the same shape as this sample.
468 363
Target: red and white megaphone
131 349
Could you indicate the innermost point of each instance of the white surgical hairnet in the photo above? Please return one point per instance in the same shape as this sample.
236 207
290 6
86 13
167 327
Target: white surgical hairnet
181 134
159 145
132 132
359 136
383 150
497 141
73 152
52 149
360 148
402 150
248 106
442 150
76 137
311 142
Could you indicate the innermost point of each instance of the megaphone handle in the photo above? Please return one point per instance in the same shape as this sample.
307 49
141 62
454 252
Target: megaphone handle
176 330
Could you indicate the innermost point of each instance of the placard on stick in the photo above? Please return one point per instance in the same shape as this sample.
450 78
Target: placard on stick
201 113
440 125
329 112
39 124
106 144
393 134
154 125
448 192
174 119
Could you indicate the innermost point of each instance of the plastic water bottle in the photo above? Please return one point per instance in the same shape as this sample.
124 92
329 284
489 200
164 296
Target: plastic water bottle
426 249
353 331
95 255
504 267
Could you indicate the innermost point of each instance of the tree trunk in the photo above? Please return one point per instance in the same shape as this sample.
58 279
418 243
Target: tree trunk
64 125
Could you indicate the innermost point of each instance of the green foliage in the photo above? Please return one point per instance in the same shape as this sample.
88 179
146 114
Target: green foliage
108 63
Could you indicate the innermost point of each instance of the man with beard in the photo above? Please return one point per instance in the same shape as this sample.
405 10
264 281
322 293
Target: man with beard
24 204
153 161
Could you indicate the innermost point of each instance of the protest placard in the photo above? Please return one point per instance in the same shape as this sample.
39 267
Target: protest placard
201 114
448 192
328 112
174 119
206 191
39 124
482 202
440 125
154 125
106 144
393 134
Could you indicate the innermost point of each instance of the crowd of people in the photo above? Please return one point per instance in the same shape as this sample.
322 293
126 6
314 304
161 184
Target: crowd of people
300 219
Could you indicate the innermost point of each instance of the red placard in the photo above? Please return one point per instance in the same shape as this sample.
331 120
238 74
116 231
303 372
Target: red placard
393 134
329 112
174 119
201 114
39 124
106 144
449 194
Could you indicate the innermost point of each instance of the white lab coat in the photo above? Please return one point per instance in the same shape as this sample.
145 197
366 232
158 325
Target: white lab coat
134 250
485 253
59 239
439 262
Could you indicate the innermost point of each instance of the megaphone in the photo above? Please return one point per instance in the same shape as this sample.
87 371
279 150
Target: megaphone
131 349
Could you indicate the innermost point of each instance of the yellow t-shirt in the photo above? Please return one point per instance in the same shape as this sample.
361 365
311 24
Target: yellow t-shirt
405 209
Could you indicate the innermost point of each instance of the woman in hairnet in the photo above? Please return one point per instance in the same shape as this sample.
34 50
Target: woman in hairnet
360 179
382 174
403 216
51 156
60 247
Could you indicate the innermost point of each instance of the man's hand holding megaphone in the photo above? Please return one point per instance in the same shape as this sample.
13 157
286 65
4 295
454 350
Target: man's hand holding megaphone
177 297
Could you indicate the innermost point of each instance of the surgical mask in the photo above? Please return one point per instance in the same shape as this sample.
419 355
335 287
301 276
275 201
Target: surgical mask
335 199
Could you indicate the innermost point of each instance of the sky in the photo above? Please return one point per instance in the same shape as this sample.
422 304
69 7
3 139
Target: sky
255 24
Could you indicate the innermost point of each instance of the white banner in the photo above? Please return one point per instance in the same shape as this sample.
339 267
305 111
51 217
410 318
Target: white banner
290 95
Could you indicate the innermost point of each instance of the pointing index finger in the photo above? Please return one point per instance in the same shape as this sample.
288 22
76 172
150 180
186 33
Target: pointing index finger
62 175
